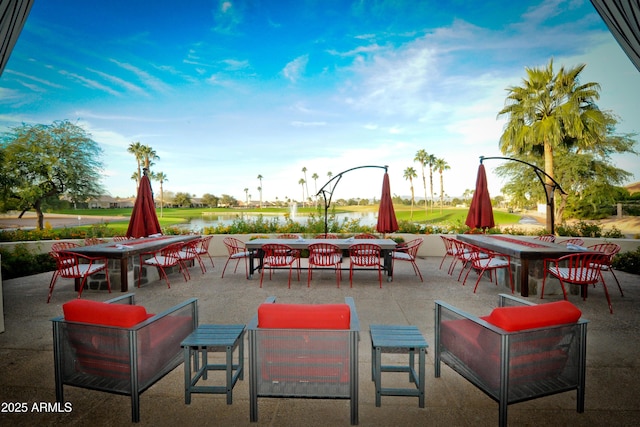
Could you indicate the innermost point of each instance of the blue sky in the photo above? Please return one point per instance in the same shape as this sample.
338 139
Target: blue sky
226 90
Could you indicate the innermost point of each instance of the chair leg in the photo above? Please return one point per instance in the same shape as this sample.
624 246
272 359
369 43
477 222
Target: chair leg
52 284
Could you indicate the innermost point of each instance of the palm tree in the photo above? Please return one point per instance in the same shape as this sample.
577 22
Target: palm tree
304 171
135 148
422 157
302 182
315 186
148 155
441 165
161 177
431 160
410 173
246 196
260 189
550 111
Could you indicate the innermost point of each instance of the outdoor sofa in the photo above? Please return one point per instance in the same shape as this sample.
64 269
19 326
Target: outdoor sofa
521 351
117 347
304 351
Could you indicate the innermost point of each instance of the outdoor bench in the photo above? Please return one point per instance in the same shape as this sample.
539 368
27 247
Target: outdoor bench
521 351
117 347
304 351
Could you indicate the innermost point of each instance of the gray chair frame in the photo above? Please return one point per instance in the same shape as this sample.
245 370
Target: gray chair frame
300 387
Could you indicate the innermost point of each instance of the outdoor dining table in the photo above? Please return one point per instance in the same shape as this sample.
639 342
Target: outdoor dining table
386 249
525 250
123 250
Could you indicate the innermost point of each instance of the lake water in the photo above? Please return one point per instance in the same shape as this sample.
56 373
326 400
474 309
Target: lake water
214 220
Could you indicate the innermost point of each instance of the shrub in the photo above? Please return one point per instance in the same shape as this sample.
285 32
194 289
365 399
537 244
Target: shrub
628 261
21 262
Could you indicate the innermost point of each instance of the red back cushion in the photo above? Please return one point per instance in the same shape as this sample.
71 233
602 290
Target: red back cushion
100 313
536 316
304 316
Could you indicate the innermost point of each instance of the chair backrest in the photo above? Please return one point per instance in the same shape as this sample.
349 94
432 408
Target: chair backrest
203 244
171 253
364 254
120 238
547 238
581 268
234 245
448 244
288 236
68 264
365 236
278 255
61 246
326 236
324 254
189 250
90 241
573 241
412 246
610 249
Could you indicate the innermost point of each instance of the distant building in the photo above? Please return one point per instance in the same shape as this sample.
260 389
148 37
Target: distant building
108 202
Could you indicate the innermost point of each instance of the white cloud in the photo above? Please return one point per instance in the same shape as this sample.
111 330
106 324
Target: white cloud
296 68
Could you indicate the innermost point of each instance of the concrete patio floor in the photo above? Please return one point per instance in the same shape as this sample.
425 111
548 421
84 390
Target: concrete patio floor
612 383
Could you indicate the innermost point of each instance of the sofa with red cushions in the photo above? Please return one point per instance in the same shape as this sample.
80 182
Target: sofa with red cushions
117 347
304 350
520 351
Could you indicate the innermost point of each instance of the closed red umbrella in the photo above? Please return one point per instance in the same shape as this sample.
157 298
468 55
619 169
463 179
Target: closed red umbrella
144 221
387 222
480 212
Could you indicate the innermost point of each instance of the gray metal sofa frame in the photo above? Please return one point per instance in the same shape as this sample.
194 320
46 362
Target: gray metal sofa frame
527 364
121 360
294 363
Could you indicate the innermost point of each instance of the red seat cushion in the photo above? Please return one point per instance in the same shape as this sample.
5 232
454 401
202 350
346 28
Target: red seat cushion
535 316
304 316
100 313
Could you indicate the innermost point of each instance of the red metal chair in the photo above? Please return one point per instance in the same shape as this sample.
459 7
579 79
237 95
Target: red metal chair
237 251
365 236
288 236
324 255
450 250
547 238
167 257
409 252
573 241
63 246
188 254
120 238
487 260
579 269
609 249
75 266
275 256
202 249
90 241
364 255
326 236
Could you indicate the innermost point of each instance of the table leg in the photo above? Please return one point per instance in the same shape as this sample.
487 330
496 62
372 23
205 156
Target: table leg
378 375
388 264
251 255
421 386
187 375
524 277
229 374
124 274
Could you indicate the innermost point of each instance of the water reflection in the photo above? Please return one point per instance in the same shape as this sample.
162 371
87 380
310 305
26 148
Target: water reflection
214 220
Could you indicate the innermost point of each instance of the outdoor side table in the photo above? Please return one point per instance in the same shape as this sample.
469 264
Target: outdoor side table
213 338
398 339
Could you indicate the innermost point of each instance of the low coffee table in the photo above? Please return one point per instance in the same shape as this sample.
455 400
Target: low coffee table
213 338
398 339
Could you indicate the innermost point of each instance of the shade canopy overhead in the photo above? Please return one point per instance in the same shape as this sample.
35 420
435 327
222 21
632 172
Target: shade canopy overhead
13 14
623 19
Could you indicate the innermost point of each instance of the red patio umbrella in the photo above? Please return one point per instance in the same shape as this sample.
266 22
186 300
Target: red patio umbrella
144 221
387 222
480 212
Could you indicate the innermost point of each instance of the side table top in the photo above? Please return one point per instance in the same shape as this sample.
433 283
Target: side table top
214 335
397 336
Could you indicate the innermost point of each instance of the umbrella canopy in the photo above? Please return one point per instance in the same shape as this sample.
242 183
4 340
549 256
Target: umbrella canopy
144 221
480 212
387 222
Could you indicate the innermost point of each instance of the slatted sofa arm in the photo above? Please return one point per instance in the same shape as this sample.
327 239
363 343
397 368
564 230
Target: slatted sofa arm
192 303
129 298
505 300
355 321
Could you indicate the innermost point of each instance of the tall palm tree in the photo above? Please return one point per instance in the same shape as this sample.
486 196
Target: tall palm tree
441 165
410 173
431 160
302 182
315 177
135 148
161 177
304 171
260 189
548 111
421 157
246 196
148 156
